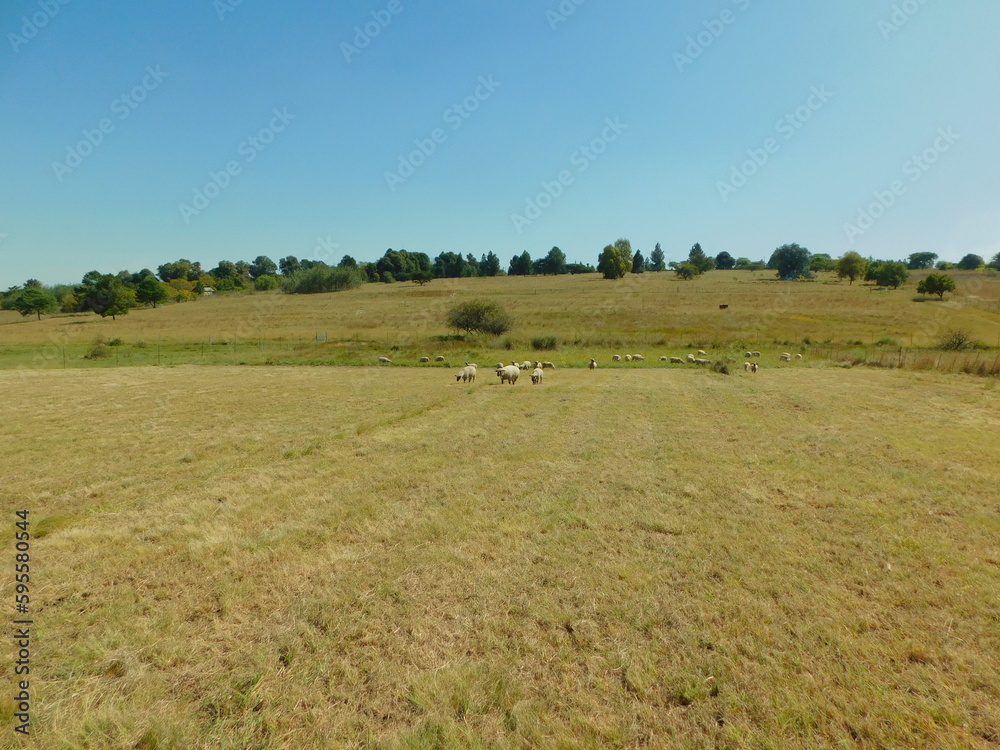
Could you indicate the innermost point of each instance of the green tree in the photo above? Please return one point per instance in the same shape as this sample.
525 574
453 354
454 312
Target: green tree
851 265
657 260
971 262
33 300
822 262
698 259
887 273
181 269
916 261
104 294
321 278
347 262
480 316
262 266
449 266
995 263
724 261
624 248
490 265
790 261
611 263
554 262
521 265
149 291
289 265
638 263
686 270
936 283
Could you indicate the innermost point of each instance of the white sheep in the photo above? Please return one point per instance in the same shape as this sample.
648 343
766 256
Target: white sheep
798 356
638 358
425 359
754 354
385 360
746 366
548 366
690 358
786 357
617 358
439 358
467 375
593 364
628 357
748 354
508 374
701 352
676 361
663 359
536 376
699 361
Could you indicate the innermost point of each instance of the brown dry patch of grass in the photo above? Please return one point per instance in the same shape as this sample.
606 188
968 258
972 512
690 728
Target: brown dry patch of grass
296 557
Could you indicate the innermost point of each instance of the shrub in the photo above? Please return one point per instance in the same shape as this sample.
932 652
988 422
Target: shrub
480 316
266 283
323 278
99 351
721 366
957 341
887 341
116 342
545 343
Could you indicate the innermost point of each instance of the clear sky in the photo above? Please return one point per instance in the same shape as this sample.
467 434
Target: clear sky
229 129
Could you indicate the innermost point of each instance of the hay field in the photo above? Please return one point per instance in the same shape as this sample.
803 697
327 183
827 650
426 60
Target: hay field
381 557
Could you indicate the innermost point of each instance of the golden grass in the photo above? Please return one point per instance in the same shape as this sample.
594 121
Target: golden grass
383 557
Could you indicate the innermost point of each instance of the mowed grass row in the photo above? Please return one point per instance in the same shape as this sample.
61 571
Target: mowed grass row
650 314
303 557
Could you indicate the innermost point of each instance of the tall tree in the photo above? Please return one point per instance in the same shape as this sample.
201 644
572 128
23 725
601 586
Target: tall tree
521 265
33 300
104 294
555 262
697 258
724 261
624 248
790 261
917 261
490 265
971 262
289 265
657 260
995 263
149 291
262 266
936 283
612 263
638 262
851 265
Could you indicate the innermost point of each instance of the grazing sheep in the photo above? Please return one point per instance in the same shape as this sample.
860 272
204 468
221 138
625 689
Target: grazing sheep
748 354
701 352
638 358
753 367
536 376
593 364
467 375
786 357
385 360
754 354
676 361
425 359
746 366
548 366
508 374
702 361
798 356
628 357
663 359
690 358
617 358
439 358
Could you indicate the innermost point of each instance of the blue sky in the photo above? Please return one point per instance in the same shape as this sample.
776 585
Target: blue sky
739 124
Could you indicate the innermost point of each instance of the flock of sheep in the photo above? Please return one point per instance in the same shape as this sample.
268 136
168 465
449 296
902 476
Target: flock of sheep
509 373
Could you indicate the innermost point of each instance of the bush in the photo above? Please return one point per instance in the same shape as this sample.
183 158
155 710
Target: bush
958 341
545 343
480 316
100 351
116 342
721 366
323 278
887 341
266 283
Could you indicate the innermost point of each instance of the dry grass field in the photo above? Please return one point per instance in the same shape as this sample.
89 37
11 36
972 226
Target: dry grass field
652 314
289 557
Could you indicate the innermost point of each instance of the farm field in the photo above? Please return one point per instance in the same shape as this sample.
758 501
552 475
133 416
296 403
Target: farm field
652 314
296 557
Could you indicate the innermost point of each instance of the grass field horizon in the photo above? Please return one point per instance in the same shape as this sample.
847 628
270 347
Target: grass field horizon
589 317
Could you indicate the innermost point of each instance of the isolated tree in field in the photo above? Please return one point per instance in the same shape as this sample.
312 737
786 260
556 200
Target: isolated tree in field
852 265
686 270
262 266
971 262
638 263
611 263
480 316
104 294
916 261
657 260
149 291
34 301
790 261
887 273
936 283
995 263
490 265
725 261
697 258
289 265
555 262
